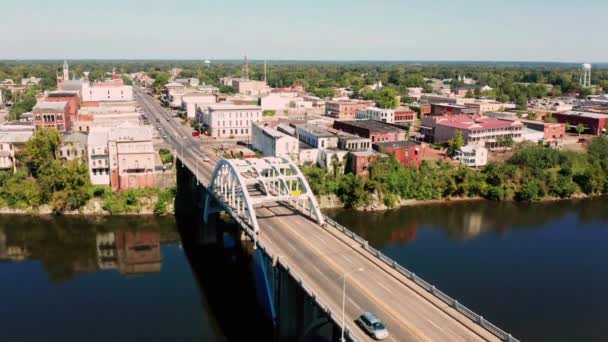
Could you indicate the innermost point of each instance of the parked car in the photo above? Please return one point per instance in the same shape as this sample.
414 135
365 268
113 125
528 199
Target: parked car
372 325
196 133
206 159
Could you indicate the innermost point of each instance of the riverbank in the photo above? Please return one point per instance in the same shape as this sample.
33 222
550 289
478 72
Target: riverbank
152 201
333 202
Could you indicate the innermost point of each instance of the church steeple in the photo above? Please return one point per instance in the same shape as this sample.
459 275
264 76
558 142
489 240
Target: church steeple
66 71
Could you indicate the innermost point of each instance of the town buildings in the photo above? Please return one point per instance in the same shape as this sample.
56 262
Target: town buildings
273 143
595 123
98 155
405 116
376 131
73 147
52 115
13 137
475 129
109 90
551 133
345 109
472 155
408 153
72 99
378 114
131 157
451 109
250 87
316 136
192 101
174 93
230 120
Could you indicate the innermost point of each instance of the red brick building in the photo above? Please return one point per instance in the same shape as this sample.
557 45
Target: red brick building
360 162
345 109
451 109
408 153
375 130
70 97
405 116
595 123
52 115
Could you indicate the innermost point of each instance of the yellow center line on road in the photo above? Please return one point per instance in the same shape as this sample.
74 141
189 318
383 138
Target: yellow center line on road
370 295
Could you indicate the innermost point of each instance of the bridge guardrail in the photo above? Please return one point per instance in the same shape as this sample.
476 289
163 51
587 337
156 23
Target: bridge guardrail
309 292
478 319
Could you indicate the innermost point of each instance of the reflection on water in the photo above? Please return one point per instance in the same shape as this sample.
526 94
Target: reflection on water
69 246
466 220
538 270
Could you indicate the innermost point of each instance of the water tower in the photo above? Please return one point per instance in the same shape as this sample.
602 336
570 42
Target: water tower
586 75
208 63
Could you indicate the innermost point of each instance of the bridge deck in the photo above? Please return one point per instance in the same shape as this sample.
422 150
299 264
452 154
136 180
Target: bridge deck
319 256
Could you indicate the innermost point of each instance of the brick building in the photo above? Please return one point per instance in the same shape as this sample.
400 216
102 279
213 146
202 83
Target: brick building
475 129
52 115
408 153
451 109
405 116
375 130
345 109
71 98
132 157
595 123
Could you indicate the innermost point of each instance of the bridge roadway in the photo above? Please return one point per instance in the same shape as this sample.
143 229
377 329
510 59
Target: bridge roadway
320 256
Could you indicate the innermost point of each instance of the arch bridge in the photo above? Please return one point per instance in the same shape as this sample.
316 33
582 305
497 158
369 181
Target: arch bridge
242 185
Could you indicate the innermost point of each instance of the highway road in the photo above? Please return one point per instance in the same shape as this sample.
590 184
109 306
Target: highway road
320 256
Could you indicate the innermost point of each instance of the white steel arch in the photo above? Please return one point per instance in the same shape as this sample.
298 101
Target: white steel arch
241 185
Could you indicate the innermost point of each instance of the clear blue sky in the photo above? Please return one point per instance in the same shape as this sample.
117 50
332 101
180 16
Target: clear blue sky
513 30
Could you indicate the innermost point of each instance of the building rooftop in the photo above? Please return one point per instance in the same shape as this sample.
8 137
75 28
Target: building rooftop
45 106
66 93
585 114
396 144
272 132
231 106
372 125
469 122
129 132
316 130
15 137
76 137
174 85
98 136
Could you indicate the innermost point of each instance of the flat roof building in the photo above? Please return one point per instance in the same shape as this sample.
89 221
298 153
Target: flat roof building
595 123
376 131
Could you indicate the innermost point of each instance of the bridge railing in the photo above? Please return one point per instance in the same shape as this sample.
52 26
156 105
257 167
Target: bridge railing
311 294
478 319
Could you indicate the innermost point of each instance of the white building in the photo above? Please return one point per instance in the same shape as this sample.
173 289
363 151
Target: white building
230 120
472 155
316 136
378 114
174 92
31 81
273 143
12 140
106 91
98 156
277 101
188 82
192 101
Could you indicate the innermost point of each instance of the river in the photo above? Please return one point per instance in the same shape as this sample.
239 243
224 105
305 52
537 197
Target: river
539 271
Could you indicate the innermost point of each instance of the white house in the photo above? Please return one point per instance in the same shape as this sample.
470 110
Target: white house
377 114
98 156
192 101
316 136
472 155
230 120
273 143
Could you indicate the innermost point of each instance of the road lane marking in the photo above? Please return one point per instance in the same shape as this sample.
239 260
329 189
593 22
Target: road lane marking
370 295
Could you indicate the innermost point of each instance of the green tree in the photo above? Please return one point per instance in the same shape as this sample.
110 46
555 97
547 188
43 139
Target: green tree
160 80
456 143
580 129
522 102
41 149
387 98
